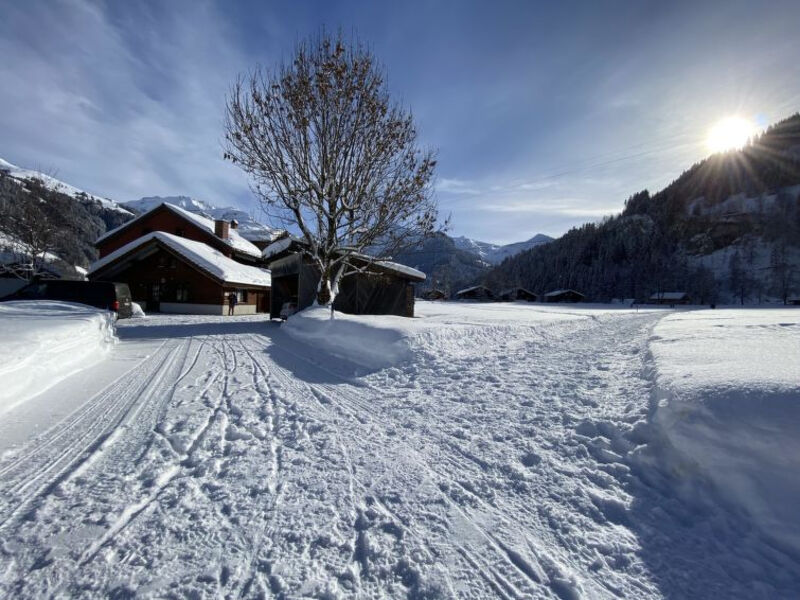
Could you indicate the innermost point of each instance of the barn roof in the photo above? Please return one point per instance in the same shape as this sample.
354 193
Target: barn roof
559 292
284 245
204 257
234 240
516 289
473 288
669 296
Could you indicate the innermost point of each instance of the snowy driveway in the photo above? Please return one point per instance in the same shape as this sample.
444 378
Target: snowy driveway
508 459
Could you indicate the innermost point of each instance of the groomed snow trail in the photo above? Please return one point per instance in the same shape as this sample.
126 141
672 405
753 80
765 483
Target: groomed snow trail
507 460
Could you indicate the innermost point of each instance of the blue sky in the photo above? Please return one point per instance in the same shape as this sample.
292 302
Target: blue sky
545 114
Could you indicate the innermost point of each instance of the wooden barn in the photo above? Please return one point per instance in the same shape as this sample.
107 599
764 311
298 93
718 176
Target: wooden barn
388 289
518 293
434 295
564 296
670 298
476 292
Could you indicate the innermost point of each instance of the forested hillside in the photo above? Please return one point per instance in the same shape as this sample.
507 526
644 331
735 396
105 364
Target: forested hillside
45 222
728 229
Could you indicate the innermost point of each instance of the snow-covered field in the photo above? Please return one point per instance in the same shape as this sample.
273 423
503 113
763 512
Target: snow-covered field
503 450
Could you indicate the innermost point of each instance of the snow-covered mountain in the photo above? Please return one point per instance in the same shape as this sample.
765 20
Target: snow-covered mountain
56 185
495 254
249 228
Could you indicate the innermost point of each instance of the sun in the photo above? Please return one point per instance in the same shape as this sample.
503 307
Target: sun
730 133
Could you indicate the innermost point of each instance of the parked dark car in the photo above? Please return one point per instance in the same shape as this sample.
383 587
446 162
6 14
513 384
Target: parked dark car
102 294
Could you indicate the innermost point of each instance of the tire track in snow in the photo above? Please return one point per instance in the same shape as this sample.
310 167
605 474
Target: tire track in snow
50 459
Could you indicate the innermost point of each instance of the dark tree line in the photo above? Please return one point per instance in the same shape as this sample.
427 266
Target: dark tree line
654 243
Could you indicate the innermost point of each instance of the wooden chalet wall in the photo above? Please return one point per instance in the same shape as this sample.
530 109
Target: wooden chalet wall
294 279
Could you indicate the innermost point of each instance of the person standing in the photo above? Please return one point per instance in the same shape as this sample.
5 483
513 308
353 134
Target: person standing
232 301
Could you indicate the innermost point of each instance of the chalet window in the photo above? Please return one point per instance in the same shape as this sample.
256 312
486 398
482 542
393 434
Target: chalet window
241 296
182 292
173 263
162 262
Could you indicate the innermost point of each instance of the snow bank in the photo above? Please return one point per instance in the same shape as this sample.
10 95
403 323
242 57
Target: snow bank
136 311
728 400
42 342
372 341
379 341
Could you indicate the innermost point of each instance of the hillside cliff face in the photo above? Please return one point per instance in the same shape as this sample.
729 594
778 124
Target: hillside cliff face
727 230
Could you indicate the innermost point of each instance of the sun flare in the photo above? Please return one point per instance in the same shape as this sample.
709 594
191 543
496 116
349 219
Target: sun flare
730 133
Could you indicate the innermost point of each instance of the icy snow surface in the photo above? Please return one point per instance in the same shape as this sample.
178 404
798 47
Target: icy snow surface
42 342
508 451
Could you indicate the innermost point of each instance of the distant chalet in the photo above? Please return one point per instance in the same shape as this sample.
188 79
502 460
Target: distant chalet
670 298
564 296
476 292
180 262
518 293
382 288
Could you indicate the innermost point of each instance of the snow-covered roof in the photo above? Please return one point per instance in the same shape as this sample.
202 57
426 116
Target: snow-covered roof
235 240
516 289
279 246
203 256
402 269
668 296
559 292
470 289
284 243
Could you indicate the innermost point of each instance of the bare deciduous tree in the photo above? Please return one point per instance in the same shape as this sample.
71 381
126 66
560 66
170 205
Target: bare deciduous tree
28 236
332 156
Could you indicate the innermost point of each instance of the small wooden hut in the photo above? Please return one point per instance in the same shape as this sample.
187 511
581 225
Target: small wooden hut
518 293
564 296
476 292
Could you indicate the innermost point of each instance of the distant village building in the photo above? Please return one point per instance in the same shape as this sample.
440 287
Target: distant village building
512 294
670 298
434 294
384 288
564 296
794 300
180 262
476 292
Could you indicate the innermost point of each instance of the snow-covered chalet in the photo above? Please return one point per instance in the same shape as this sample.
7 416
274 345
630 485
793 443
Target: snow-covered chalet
175 261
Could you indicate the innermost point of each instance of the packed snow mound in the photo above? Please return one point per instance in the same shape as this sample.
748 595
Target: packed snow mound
42 342
137 312
379 341
370 341
728 400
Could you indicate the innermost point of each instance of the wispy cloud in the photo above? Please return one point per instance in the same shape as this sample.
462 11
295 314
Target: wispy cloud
122 104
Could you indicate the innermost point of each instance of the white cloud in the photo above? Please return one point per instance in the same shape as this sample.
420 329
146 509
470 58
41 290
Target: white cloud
118 112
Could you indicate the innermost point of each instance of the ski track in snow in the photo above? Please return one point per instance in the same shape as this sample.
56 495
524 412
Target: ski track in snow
508 462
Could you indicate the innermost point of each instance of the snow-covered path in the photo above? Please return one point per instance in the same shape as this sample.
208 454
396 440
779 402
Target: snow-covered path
508 459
